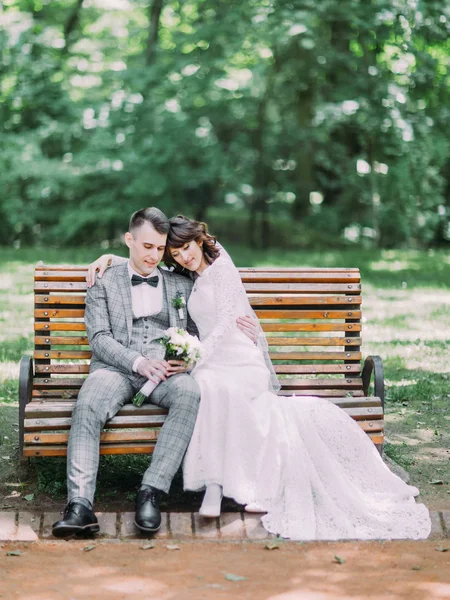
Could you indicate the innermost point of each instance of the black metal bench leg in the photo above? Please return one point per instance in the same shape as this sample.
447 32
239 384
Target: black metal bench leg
25 387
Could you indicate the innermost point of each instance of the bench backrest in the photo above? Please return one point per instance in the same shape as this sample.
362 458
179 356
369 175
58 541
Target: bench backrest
311 317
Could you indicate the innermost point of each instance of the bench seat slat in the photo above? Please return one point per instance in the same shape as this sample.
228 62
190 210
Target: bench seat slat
41 383
54 424
38 410
144 435
130 448
287 391
62 354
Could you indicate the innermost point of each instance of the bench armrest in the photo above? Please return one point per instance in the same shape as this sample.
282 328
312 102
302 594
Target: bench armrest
25 389
374 364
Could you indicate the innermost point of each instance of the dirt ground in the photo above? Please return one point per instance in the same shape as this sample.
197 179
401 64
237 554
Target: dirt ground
209 570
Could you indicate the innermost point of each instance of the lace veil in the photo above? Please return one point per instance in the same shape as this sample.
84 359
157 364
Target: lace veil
275 385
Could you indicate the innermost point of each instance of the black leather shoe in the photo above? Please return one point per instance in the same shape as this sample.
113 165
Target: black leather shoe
148 515
77 520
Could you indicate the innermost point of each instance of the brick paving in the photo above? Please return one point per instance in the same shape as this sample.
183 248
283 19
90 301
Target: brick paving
28 526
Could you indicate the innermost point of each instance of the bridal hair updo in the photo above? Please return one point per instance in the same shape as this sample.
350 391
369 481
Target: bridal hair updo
182 231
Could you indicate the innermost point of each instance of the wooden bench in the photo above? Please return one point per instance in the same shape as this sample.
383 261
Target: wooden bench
312 320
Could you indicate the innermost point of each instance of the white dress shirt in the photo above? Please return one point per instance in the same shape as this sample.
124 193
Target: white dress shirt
146 300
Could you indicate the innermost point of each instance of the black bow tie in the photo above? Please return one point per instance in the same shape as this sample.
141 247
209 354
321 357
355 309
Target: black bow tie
136 280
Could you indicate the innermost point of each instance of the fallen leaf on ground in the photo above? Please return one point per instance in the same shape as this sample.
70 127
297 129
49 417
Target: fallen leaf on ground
89 548
14 553
172 547
415 568
29 497
14 494
436 482
147 546
338 559
14 484
441 549
272 546
233 577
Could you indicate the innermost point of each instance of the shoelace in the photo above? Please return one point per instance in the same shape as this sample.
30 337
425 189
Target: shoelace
68 509
149 495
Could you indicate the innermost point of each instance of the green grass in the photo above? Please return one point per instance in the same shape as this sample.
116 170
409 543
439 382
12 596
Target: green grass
406 309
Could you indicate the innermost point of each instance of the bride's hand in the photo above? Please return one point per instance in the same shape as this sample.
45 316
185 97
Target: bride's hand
248 326
98 266
177 366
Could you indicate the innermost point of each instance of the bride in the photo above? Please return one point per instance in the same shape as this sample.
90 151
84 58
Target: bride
300 460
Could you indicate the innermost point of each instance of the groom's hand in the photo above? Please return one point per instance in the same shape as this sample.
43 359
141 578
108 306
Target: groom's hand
177 366
154 369
248 326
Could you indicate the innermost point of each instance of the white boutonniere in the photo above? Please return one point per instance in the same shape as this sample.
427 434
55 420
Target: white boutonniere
179 302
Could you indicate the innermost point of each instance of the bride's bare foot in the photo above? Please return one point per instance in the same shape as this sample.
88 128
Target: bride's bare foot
212 501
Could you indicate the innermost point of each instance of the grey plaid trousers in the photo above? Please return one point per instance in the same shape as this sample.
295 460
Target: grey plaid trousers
103 394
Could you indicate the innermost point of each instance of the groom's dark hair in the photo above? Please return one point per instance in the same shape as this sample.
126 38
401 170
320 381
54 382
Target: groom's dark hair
151 215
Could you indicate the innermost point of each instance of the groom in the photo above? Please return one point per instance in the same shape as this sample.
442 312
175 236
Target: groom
127 312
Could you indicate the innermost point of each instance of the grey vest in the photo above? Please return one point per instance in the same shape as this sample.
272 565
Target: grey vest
147 331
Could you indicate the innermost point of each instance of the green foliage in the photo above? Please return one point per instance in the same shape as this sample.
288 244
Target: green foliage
332 115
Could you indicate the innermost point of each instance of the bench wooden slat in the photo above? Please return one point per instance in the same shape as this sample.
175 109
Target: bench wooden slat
68 394
245 270
309 314
36 410
40 383
281 369
57 409
61 340
57 313
263 287
299 277
303 288
144 435
313 327
114 423
280 341
315 355
127 422
59 327
64 369
59 299
311 301
62 354
60 286
123 448
313 341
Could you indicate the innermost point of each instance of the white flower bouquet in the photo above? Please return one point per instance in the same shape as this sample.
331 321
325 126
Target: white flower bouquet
179 345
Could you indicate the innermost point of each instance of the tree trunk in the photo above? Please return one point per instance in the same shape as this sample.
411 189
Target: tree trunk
153 29
70 24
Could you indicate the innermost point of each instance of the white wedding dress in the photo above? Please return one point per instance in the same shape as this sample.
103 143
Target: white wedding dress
302 459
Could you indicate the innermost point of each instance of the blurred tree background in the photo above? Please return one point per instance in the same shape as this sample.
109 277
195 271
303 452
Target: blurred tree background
291 123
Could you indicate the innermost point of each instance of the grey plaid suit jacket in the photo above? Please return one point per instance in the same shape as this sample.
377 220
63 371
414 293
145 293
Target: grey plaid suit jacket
109 316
